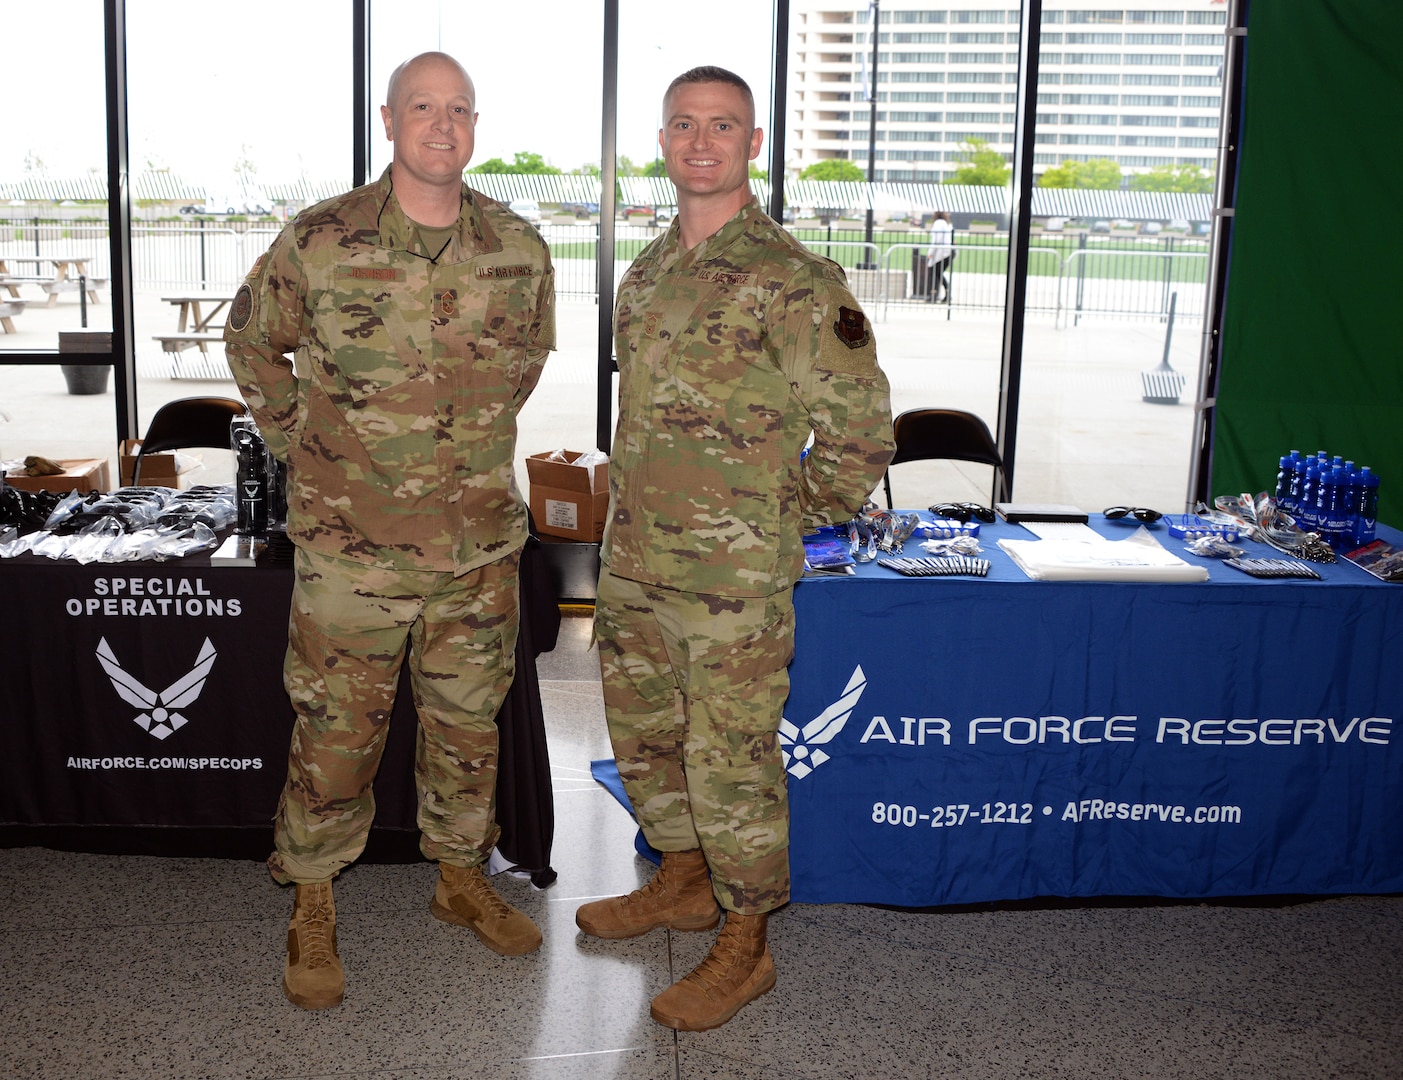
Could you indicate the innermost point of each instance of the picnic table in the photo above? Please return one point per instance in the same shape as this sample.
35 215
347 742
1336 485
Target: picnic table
193 315
70 272
9 307
196 327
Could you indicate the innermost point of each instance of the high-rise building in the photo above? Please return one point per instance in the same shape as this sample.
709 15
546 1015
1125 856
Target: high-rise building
1138 83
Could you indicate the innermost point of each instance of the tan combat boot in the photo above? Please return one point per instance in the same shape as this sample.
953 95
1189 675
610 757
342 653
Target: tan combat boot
678 897
464 898
313 977
738 970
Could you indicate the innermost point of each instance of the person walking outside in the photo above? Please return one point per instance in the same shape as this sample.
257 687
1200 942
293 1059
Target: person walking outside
940 257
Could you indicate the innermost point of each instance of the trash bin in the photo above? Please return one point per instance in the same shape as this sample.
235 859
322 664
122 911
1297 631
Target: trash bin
920 275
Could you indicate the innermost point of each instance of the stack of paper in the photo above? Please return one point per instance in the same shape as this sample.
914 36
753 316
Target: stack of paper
1139 557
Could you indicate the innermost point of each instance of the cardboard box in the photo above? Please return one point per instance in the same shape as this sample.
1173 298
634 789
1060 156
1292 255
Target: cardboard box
157 470
80 474
566 500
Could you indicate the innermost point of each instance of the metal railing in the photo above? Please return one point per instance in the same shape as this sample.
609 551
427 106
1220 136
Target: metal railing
1071 275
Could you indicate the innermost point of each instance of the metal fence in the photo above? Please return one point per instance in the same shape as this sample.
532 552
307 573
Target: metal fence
1071 275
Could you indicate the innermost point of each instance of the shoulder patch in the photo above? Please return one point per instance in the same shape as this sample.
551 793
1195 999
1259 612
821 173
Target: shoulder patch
241 310
846 346
851 328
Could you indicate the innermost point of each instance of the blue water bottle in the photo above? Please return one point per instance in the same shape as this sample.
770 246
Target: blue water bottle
1306 516
1298 482
1333 507
1366 507
1285 477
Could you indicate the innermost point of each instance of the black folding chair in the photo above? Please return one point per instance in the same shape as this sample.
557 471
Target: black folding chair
953 434
185 422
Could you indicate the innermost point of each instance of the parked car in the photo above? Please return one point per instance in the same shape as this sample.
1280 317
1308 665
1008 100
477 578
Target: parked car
529 209
1177 225
1101 226
1054 224
1150 228
664 215
579 209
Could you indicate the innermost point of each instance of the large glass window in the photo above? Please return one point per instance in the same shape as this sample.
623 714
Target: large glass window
53 228
935 297
221 156
1117 285
537 69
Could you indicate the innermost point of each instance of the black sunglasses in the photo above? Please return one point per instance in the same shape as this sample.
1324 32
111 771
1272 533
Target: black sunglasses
1139 513
963 511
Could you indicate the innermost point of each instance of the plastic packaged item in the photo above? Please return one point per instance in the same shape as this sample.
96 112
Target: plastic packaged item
1191 527
251 477
945 529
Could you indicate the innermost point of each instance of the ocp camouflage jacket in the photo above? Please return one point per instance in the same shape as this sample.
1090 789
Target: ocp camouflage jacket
389 378
730 355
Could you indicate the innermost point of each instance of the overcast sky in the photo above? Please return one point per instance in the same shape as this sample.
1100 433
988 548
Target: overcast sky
268 80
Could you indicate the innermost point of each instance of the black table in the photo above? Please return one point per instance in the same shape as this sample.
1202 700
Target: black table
143 712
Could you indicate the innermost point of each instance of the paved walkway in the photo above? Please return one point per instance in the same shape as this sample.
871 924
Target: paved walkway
1086 436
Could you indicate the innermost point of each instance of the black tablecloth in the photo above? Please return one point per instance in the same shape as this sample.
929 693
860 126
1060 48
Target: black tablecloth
143 712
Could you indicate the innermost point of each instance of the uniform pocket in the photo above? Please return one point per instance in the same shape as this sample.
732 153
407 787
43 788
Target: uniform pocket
369 348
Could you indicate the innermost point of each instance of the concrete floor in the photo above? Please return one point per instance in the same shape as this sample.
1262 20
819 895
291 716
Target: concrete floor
170 968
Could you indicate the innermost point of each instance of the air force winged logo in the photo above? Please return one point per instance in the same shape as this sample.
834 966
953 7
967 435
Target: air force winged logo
159 717
800 746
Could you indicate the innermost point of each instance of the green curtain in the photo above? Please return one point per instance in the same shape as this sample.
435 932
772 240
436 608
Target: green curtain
1310 353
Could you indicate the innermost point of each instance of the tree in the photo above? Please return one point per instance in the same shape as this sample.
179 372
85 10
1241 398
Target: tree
626 167
656 167
1101 174
246 169
981 166
1185 178
833 169
524 162
757 173
589 168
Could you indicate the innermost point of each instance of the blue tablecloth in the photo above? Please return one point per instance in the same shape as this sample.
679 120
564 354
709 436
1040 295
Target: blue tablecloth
957 740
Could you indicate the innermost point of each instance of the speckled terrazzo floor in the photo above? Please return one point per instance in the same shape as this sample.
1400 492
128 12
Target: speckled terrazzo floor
158 968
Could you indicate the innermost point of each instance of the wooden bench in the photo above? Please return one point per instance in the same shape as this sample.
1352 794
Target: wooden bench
8 309
62 285
175 344
199 366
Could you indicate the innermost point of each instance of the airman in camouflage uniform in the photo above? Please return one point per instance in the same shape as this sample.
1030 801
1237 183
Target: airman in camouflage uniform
736 346
385 344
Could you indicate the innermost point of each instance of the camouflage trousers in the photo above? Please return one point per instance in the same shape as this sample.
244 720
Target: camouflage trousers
694 689
349 630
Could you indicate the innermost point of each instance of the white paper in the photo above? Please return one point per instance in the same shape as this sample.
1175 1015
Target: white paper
1139 557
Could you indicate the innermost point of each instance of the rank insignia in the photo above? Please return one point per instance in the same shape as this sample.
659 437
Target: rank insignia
446 303
851 328
241 310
